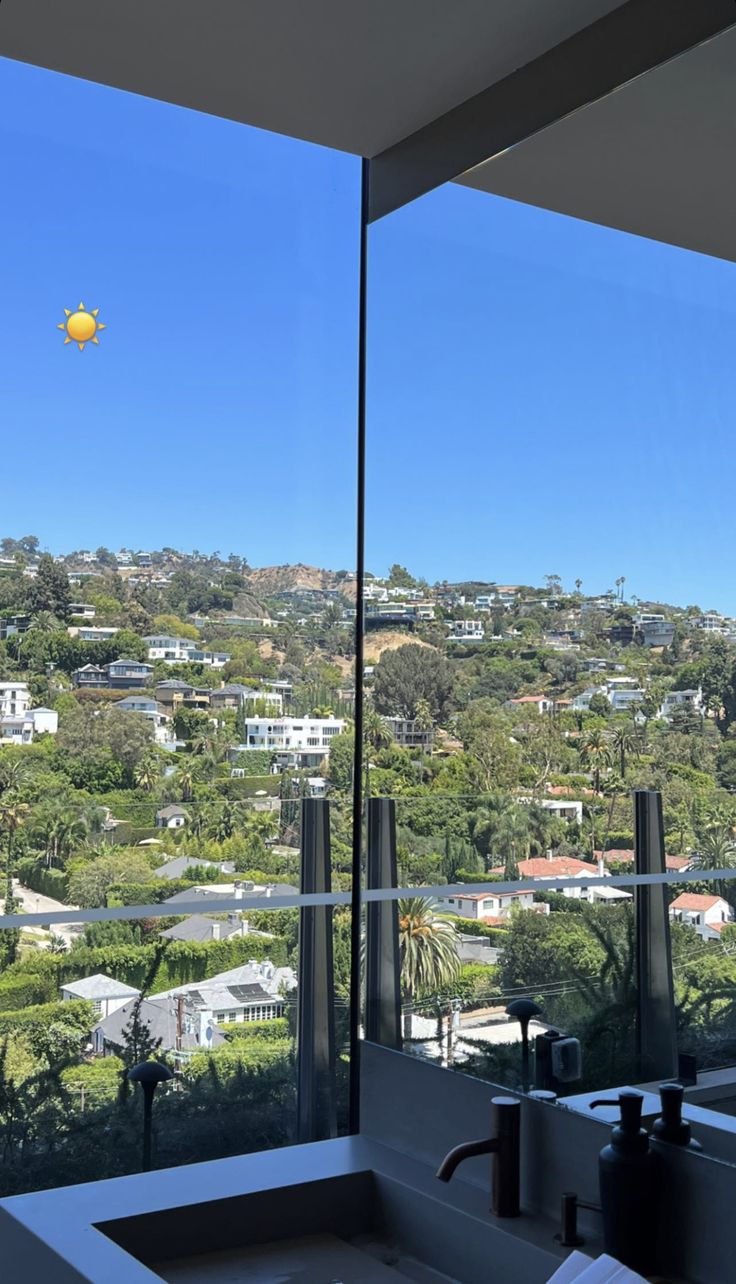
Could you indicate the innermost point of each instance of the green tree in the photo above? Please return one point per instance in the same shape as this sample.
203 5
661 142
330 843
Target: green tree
625 743
595 755
428 950
50 590
409 674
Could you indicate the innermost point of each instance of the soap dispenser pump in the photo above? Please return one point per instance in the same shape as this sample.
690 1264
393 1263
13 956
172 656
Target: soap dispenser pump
628 1188
670 1126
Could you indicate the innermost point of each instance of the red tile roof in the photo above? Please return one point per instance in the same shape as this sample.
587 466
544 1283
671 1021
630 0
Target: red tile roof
556 867
694 901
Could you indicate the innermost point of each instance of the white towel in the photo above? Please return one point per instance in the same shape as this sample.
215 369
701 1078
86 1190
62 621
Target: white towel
586 1270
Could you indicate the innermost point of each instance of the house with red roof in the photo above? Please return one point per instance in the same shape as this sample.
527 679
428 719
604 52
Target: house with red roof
566 867
708 915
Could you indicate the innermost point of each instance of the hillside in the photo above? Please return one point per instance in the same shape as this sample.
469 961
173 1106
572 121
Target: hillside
266 580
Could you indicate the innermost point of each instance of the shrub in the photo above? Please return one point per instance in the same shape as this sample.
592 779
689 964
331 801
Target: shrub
94 1083
23 989
273 1031
33 873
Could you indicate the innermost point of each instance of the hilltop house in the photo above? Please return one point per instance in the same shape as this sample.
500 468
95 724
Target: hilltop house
119 675
23 727
236 695
295 741
707 914
408 735
174 693
542 703
691 699
15 699
466 631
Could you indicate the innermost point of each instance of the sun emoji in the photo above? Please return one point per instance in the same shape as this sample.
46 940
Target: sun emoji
81 326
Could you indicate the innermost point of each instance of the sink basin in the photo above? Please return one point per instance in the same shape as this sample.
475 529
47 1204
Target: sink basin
355 1228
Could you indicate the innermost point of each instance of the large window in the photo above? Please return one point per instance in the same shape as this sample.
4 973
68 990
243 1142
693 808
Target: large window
180 333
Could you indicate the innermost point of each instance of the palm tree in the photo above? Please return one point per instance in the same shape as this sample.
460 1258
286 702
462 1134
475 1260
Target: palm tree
595 755
375 731
13 775
716 850
185 778
13 815
428 949
146 774
578 586
625 741
322 711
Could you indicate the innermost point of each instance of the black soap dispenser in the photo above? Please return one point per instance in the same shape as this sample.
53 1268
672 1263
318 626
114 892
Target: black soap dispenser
671 1126
628 1188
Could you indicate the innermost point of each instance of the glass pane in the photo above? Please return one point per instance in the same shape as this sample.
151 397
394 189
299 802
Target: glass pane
182 371
532 658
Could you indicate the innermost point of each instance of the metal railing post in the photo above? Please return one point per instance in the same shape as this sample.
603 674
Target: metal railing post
656 1033
382 983
316 1112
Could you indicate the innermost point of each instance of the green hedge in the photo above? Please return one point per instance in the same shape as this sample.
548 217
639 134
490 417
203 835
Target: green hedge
37 1018
154 893
238 788
36 977
270 1031
33 873
22 990
255 762
471 927
269 1064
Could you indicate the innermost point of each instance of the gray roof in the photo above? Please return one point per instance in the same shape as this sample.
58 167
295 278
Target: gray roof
202 893
173 684
100 986
198 927
173 809
180 865
160 1016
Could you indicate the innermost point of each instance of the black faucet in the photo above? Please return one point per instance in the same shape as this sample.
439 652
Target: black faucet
504 1145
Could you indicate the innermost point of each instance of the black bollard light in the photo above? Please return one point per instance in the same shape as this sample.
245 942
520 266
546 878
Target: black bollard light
523 1010
149 1074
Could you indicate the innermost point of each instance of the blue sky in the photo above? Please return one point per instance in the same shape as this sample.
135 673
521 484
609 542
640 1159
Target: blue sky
544 395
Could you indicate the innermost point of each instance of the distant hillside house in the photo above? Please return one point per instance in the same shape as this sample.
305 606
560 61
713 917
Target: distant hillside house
174 1027
120 675
171 817
565 867
15 699
92 632
21 729
691 699
542 703
408 735
174 694
479 905
253 992
707 914
104 993
236 695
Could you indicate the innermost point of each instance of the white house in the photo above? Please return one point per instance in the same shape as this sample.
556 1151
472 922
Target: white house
15 699
541 702
707 914
20 729
485 904
691 699
567 867
171 817
161 646
466 631
310 734
92 632
561 808
84 610
150 709
104 993
254 992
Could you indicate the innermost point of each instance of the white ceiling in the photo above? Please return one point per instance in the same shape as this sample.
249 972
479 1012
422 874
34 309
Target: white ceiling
357 75
657 158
